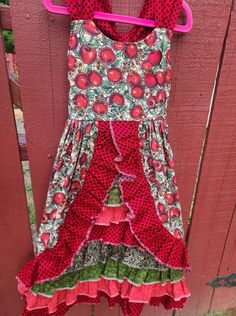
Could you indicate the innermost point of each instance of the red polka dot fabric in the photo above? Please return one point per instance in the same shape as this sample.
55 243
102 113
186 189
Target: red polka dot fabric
116 153
164 12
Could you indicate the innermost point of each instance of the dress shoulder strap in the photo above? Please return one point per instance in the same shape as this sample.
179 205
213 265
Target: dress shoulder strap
84 9
80 9
166 12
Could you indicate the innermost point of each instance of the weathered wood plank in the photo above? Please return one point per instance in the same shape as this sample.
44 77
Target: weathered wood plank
15 237
216 188
225 297
224 130
5 18
194 68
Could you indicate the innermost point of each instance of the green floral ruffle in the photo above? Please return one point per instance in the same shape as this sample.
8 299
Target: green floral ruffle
112 270
96 251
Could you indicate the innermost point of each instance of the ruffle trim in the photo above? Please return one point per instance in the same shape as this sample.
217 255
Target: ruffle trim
112 214
95 252
134 294
116 152
111 270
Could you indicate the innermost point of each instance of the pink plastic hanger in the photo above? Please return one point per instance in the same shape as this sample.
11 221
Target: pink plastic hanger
125 18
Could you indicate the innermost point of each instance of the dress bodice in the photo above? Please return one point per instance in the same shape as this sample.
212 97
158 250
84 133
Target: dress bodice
113 80
120 76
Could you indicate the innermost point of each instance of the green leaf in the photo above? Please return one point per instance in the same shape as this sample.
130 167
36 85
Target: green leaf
8 41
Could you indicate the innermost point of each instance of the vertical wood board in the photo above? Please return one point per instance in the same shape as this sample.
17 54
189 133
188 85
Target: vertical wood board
15 237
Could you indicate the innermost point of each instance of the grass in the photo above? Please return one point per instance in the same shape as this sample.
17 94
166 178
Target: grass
230 312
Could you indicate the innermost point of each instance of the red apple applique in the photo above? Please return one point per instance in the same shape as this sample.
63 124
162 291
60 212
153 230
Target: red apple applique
69 149
150 162
90 28
167 74
75 185
81 101
151 102
155 57
100 108
117 98
78 136
53 214
168 56
150 40
150 80
71 62
88 128
73 41
152 177
161 96
83 158
174 179
131 50
118 45
45 238
114 75
174 212
158 166
137 112
161 207
133 78
88 54
81 81
107 55
58 198
170 198
154 145
45 218
146 65
83 173
177 234
60 164
94 78
163 217
160 78
66 182
137 91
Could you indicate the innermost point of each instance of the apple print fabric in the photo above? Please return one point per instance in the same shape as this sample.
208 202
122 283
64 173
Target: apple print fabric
111 80
112 224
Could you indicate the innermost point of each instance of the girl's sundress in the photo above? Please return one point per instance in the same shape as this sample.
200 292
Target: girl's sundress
112 224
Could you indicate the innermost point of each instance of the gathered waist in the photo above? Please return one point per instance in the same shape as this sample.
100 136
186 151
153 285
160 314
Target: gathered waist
157 125
137 113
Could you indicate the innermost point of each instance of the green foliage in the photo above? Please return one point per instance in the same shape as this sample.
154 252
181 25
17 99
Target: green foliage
7 35
6 2
8 41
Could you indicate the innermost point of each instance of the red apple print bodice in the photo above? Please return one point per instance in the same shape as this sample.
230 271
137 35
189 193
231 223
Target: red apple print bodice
112 80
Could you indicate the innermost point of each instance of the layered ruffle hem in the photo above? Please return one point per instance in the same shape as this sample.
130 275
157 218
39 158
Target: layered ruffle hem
122 252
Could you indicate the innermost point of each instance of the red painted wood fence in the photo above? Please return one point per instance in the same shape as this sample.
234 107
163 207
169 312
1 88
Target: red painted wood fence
202 132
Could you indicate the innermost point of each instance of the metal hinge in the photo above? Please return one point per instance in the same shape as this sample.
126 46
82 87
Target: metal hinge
229 280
